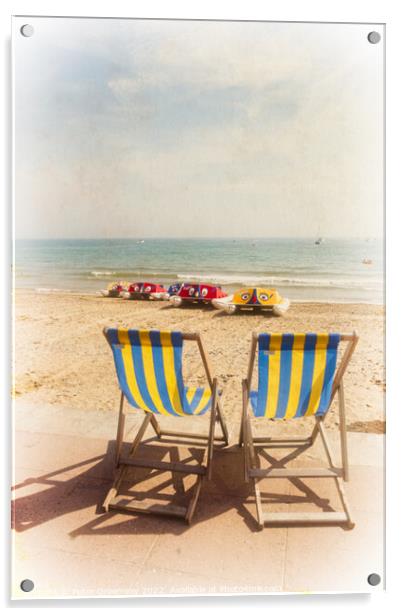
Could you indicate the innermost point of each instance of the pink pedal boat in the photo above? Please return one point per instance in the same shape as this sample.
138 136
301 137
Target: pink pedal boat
143 290
191 293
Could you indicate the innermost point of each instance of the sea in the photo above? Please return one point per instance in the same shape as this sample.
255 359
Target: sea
333 270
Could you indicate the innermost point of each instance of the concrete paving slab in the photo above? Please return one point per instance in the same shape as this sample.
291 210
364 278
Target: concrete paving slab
55 454
226 538
364 490
58 420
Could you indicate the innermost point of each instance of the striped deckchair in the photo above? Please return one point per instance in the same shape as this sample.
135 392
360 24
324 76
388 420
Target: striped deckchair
149 372
298 377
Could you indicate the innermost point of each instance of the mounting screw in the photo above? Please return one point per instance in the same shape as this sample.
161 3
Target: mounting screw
27 30
27 585
374 579
374 37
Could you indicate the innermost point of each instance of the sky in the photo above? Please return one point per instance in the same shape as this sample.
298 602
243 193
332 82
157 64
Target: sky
143 128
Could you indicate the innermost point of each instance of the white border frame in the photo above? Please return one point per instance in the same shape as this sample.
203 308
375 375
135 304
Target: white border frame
367 11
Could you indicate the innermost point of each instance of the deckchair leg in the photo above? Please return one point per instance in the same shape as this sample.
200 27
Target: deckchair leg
140 433
342 429
243 432
210 449
196 492
315 431
250 459
321 431
241 435
350 524
115 487
260 514
156 427
120 430
194 500
247 431
222 423
250 443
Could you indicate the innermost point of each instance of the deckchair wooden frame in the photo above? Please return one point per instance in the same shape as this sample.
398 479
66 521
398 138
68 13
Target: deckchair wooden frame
204 469
339 474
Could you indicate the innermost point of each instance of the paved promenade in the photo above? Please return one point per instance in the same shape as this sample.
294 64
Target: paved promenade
69 547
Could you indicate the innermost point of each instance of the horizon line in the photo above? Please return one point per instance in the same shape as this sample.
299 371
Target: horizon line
203 237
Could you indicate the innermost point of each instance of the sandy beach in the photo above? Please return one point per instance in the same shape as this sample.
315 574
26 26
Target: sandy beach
62 358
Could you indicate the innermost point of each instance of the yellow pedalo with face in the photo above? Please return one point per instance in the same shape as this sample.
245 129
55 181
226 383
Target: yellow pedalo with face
253 298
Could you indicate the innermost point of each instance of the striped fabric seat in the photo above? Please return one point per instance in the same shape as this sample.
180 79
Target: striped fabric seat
295 375
149 370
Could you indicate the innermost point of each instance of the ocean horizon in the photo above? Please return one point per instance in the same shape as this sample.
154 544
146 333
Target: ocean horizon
335 270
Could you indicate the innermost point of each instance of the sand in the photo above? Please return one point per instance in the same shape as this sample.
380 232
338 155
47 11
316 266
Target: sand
62 358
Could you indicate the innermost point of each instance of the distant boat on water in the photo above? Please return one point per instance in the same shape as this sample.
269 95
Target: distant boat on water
140 241
320 240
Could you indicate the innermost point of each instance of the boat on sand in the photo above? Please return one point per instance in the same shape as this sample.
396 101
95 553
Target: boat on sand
253 299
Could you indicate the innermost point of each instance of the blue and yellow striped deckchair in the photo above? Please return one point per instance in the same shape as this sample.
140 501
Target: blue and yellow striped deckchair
149 371
298 377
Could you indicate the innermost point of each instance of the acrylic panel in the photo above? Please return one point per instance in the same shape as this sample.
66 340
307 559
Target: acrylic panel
198 264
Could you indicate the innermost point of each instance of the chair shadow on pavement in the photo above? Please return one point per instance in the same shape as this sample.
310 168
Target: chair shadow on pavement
84 485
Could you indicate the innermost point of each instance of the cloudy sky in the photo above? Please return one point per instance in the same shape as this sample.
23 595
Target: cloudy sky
131 128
